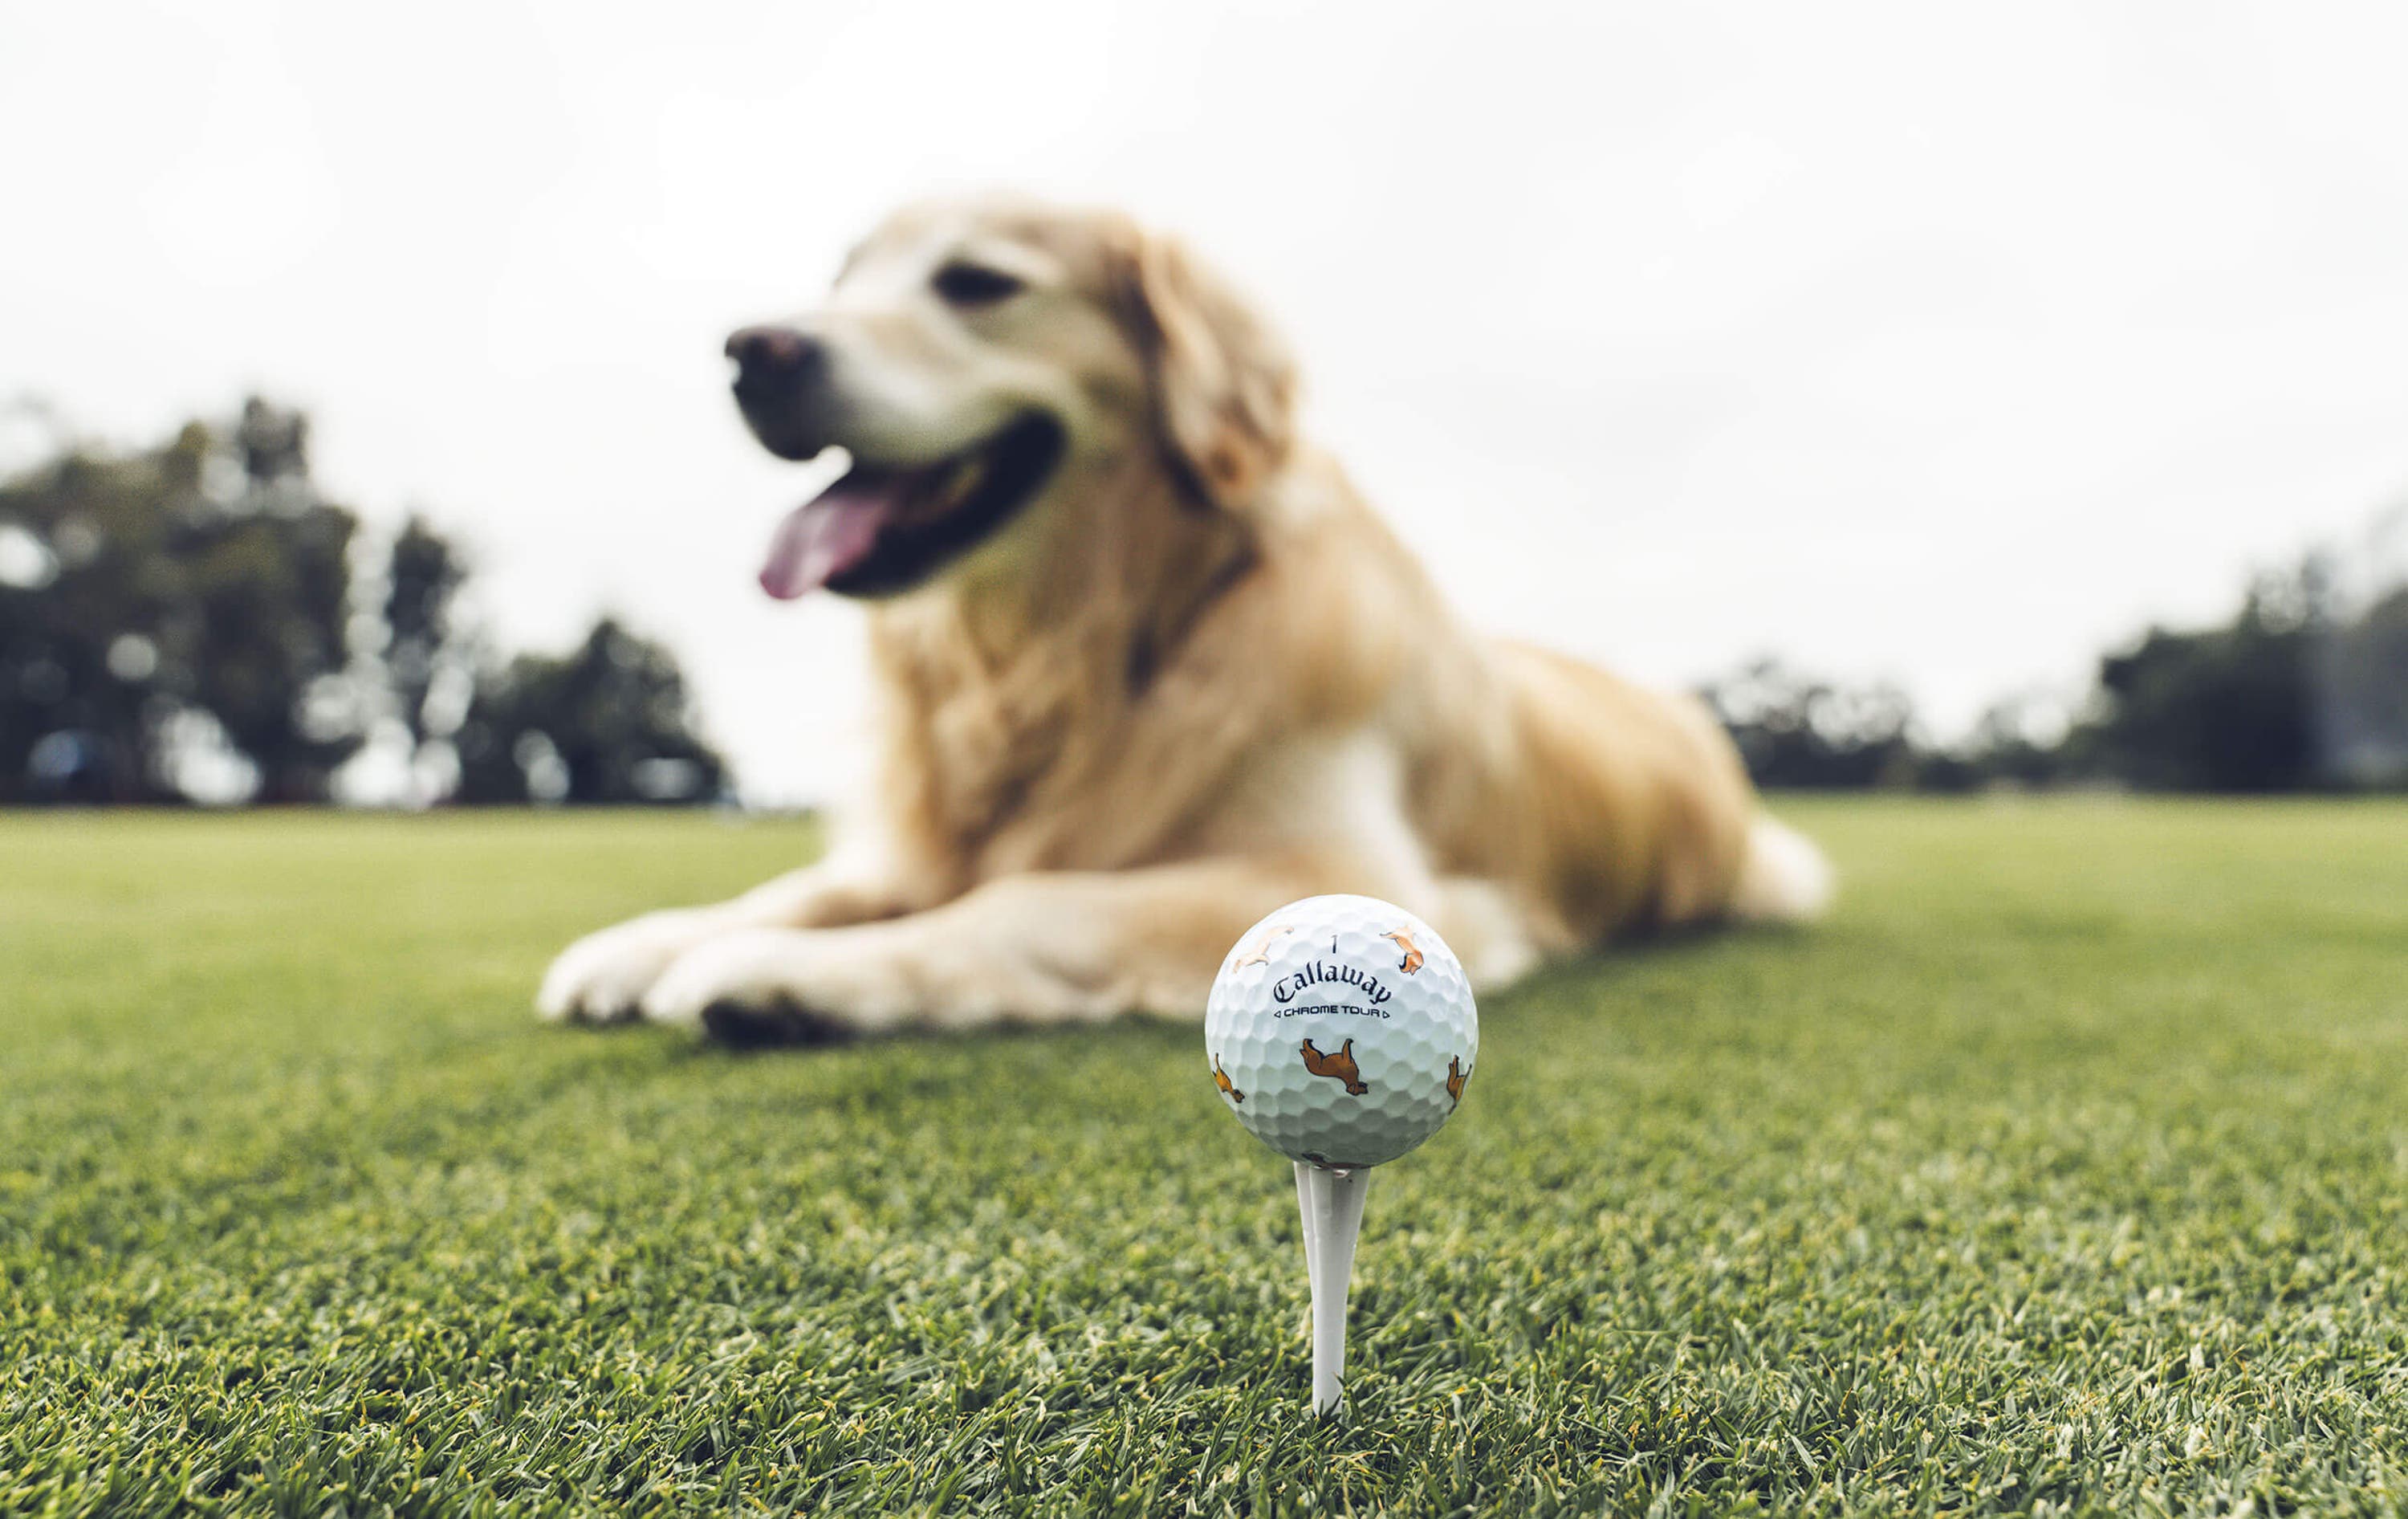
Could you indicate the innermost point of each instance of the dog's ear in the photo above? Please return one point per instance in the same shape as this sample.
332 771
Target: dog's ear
1223 385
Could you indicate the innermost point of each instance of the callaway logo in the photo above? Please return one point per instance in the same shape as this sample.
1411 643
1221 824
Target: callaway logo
1313 975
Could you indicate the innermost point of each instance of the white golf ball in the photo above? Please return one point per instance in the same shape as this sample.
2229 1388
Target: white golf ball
1341 1031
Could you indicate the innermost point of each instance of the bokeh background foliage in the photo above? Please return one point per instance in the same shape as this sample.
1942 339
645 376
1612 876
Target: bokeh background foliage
197 621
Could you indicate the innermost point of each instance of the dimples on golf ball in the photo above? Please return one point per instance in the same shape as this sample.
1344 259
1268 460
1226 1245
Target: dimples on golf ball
1341 1031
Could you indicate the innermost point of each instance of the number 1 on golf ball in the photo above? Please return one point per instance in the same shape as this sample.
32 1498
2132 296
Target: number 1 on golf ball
1341 1031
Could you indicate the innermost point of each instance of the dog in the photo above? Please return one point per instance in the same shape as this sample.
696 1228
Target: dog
1221 1080
1261 953
1147 666
1339 1065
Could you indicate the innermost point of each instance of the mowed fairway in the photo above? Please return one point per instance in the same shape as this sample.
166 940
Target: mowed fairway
2068 1163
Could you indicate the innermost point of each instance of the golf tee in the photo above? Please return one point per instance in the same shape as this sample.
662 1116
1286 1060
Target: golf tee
1332 1202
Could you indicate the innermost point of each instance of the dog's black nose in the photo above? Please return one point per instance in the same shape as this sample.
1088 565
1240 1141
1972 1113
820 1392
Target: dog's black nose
771 357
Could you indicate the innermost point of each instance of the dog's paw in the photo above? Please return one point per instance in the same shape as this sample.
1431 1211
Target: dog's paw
603 977
762 985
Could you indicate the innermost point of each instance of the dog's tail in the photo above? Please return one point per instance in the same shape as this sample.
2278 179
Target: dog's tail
1785 877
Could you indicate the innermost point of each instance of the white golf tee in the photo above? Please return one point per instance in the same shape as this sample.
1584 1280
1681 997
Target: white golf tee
1332 1202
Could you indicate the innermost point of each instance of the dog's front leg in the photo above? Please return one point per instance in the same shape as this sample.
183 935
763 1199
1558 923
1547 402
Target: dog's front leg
603 977
1053 947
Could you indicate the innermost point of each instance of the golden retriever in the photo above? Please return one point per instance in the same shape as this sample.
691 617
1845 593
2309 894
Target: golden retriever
1148 668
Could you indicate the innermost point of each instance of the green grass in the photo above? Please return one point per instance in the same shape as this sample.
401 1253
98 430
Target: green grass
2067 1165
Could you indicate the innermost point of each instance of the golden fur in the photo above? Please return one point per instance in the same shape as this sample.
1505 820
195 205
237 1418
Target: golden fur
1194 678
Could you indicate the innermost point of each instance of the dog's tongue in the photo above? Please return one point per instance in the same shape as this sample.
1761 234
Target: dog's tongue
825 537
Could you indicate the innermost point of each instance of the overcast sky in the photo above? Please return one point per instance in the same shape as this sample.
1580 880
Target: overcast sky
1937 343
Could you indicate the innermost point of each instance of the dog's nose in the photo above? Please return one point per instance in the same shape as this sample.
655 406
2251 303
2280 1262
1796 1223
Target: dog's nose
771 356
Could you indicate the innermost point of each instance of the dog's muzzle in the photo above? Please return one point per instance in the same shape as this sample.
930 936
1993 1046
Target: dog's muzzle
776 368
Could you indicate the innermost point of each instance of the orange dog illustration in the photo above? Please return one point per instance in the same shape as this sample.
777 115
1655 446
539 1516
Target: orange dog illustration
1413 960
1340 1067
1455 1077
1221 1080
1262 952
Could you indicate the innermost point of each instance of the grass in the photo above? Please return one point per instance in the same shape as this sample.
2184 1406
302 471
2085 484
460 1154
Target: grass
2066 1167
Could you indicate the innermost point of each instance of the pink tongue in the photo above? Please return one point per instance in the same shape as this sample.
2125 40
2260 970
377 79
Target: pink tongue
824 537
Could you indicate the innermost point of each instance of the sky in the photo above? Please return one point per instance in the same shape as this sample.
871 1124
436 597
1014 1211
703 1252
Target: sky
1943 345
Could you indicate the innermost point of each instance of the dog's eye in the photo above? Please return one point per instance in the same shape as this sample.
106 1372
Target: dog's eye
974 284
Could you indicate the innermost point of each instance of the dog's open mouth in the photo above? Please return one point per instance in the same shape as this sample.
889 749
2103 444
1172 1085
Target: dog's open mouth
882 528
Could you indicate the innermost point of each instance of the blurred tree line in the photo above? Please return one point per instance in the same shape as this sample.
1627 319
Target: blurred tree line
198 620
2305 689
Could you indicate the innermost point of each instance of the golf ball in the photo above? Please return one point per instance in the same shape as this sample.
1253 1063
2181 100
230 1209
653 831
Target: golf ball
1341 1031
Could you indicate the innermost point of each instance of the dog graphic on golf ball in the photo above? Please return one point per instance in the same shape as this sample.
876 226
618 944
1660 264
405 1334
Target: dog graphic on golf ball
1263 951
1340 1067
1221 1080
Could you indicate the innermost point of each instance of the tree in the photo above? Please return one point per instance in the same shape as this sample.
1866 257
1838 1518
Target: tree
195 588
423 643
160 603
261 637
88 578
610 721
2363 696
1795 730
2019 741
2228 709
